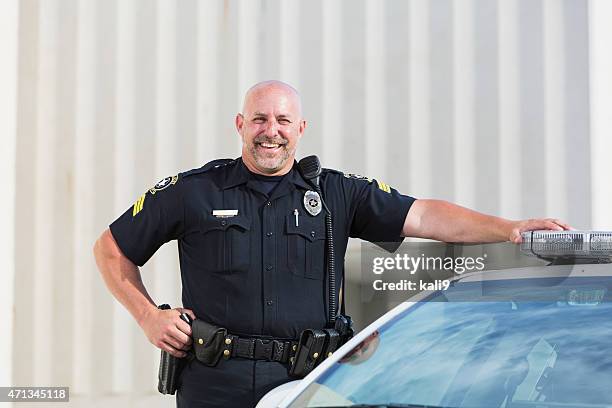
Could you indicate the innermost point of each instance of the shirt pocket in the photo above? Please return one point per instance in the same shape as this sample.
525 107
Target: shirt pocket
226 246
306 246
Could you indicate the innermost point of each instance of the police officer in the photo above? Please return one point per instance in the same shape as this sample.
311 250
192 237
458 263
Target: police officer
251 234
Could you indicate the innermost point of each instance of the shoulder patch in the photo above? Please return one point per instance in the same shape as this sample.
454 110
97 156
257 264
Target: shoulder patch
381 186
163 184
357 177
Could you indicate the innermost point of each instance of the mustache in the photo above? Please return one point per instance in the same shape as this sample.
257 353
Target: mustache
264 139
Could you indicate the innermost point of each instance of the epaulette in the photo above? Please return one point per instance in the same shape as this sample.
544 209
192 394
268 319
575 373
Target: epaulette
356 177
331 171
348 175
208 166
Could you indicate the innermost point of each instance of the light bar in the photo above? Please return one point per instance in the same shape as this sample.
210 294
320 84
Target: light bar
590 245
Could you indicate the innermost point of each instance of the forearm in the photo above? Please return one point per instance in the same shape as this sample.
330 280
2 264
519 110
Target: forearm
444 221
122 278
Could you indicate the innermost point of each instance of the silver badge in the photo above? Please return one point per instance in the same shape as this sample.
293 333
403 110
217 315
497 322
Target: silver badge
312 202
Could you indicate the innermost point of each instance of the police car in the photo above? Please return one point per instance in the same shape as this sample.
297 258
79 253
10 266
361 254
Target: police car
516 338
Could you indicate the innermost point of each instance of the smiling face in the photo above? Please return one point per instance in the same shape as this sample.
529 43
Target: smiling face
270 126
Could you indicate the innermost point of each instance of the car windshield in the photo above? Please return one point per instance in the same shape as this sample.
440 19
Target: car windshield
548 345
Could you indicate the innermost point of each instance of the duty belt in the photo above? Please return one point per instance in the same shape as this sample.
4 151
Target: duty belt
258 348
211 343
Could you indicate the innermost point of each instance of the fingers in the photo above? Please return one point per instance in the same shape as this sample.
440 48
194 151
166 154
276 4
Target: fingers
175 333
565 226
550 225
183 339
184 328
172 350
188 311
177 339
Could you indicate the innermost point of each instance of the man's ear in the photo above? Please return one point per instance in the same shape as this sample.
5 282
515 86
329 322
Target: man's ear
302 127
239 122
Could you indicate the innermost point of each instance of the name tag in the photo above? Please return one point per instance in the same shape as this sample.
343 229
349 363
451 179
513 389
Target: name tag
224 213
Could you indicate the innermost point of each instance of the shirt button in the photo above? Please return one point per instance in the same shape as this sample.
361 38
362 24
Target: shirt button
268 234
268 203
312 234
268 267
269 302
224 223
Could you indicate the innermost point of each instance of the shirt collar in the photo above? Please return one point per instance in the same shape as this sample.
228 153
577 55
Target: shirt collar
239 174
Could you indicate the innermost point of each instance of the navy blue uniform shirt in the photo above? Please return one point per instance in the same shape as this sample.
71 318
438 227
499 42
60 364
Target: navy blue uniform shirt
258 272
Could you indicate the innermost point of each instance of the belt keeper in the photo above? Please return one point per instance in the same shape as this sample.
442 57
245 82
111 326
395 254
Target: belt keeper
228 346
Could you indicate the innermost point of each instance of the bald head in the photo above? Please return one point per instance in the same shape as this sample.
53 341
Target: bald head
272 87
270 126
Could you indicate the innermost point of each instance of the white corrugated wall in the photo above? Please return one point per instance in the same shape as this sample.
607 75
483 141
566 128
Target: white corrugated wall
481 102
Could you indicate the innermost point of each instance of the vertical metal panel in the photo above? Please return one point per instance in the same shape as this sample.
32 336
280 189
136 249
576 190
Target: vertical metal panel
398 95
310 48
8 131
268 40
63 271
600 31
93 197
441 99
208 132
27 114
554 175
186 73
289 25
486 97
331 125
375 102
247 45
46 149
229 101
84 197
531 86
420 46
463 115
353 92
510 174
580 185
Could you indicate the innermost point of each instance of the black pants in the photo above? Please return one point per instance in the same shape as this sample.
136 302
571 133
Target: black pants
235 382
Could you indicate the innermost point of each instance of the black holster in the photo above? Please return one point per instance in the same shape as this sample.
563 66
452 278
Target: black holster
316 345
170 367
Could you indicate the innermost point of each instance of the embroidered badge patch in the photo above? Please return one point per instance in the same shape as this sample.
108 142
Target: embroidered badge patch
163 184
357 176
